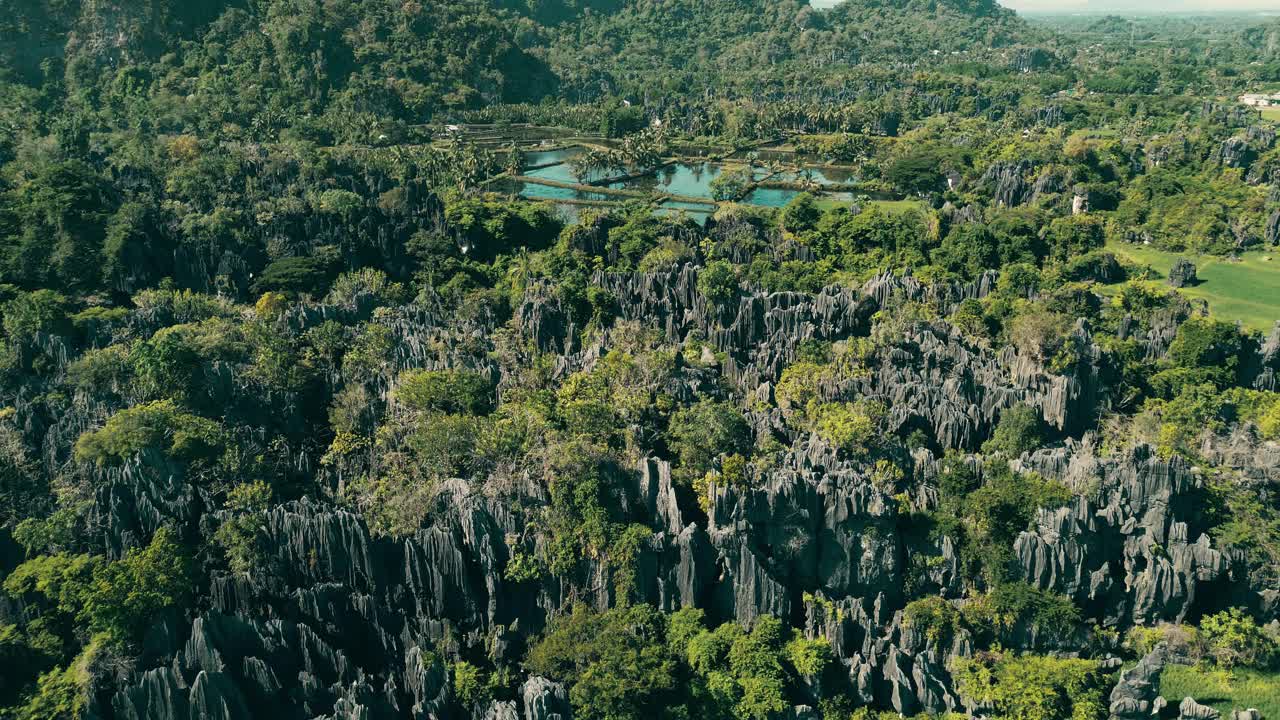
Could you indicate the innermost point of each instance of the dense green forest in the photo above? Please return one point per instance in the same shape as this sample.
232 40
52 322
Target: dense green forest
954 394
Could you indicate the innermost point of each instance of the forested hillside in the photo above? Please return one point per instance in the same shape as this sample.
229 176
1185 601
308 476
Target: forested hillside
634 359
688 47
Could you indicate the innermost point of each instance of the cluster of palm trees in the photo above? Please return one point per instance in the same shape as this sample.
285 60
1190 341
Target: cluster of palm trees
561 114
743 118
638 152
752 119
456 164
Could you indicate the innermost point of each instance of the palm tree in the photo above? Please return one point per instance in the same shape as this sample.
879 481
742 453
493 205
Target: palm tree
807 178
520 270
514 160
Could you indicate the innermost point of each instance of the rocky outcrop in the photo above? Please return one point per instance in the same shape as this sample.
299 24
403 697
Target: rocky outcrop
1243 151
1233 115
1137 695
1080 202
498 710
348 604
338 621
1267 368
1182 274
545 700
543 317
887 664
1236 153
1049 182
1007 183
1255 461
1127 550
815 524
1050 115
1028 59
1189 709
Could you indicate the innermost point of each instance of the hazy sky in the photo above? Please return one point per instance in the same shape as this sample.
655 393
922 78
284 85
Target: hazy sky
1125 5
1145 5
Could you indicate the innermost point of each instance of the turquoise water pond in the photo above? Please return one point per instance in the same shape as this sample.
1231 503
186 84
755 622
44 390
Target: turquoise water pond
692 180
771 197
821 176
564 173
535 191
687 179
697 212
536 158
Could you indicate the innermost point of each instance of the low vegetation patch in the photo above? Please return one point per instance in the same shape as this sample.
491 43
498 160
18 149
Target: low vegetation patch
1226 690
1245 290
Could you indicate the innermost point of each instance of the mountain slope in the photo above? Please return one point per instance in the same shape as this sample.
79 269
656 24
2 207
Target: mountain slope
284 57
213 63
701 42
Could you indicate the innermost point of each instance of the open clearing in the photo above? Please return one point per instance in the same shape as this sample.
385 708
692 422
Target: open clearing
889 206
1247 290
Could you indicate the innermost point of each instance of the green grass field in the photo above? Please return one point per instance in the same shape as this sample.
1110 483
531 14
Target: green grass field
1271 113
889 206
1239 690
1248 290
896 206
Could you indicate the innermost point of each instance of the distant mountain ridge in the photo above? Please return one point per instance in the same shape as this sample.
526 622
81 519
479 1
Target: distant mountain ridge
691 40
